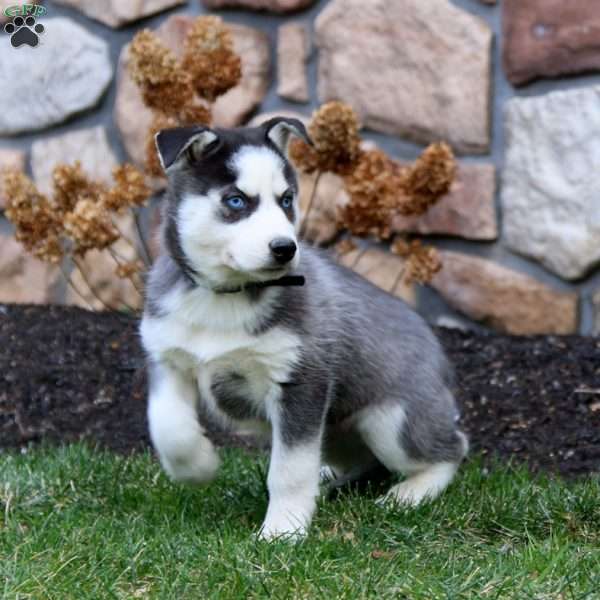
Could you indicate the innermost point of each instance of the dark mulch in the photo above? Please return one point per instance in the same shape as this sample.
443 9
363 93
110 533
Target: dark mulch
67 374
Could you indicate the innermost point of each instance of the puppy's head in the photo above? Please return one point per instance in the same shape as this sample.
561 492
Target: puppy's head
233 200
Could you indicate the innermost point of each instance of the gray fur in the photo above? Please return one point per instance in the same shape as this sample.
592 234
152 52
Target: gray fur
360 346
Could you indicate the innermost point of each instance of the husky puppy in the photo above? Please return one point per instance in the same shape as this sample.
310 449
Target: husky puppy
340 372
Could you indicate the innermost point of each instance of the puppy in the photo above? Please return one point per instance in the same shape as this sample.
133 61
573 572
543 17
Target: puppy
337 371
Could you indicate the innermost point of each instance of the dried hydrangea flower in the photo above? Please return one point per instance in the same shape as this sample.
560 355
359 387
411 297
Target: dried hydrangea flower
90 227
128 269
374 192
194 114
422 262
130 189
210 59
428 179
70 184
345 246
165 86
334 131
36 224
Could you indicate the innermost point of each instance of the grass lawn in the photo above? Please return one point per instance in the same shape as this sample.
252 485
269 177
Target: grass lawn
83 524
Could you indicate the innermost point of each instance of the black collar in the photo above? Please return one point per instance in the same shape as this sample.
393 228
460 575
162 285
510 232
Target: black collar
287 280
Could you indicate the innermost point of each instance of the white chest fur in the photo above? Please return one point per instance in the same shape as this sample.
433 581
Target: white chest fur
207 347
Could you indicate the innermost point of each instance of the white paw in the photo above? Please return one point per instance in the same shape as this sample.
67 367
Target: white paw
421 487
406 494
271 532
196 466
289 523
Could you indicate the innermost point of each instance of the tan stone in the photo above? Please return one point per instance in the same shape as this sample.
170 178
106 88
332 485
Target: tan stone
417 68
10 159
292 55
278 6
116 13
132 117
382 269
504 299
467 211
25 279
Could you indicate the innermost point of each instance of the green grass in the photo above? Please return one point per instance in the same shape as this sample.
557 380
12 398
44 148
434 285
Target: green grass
82 524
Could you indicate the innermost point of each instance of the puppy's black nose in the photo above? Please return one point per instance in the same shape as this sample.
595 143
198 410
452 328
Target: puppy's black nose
283 250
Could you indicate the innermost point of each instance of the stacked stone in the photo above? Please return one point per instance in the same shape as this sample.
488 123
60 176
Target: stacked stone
417 71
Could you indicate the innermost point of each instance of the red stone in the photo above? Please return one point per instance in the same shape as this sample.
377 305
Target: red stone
550 38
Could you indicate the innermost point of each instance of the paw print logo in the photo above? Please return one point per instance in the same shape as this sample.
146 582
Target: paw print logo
24 31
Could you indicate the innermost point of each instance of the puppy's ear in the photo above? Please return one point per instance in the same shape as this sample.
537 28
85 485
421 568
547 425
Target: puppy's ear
279 129
173 144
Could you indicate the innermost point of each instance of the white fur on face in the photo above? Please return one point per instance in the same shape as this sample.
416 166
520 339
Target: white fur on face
260 174
236 252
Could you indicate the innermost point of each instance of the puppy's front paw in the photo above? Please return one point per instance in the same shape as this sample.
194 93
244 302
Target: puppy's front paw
197 466
289 524
271 532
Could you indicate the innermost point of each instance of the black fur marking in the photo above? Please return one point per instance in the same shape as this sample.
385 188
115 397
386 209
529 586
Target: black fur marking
303 406
228 391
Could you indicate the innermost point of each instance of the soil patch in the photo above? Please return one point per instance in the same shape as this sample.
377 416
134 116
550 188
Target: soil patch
68 374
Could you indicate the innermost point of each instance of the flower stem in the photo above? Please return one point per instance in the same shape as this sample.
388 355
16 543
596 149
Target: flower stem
90 286
74 287
310 204
138 227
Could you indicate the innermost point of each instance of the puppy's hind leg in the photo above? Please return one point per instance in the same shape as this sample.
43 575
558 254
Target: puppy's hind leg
185 452
428 454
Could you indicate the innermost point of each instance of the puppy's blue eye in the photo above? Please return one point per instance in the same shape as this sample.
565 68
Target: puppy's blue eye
235 202
287 201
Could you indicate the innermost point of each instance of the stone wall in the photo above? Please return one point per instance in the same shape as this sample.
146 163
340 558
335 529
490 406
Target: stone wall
510 85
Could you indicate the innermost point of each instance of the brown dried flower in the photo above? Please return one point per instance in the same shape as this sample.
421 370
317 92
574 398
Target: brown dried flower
428 179
210 59
128 269
373 188
90 227
334 132
345 246
165 86
130 189
195 114
422 262
72 184
36 224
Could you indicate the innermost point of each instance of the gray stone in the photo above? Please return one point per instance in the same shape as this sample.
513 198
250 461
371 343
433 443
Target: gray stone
504 299
116 13
292 54
88 146
417 68
10 159
65 74
551 182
